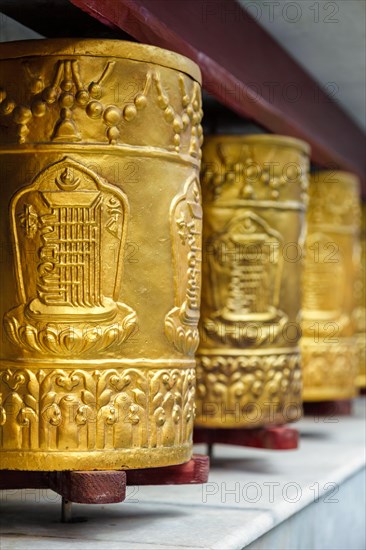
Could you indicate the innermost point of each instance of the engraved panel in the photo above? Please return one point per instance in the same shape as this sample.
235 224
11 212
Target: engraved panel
324 284
75 227
248 390
328 345
330 370
245 269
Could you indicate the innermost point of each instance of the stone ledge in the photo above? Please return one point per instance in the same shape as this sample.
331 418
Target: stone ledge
255 498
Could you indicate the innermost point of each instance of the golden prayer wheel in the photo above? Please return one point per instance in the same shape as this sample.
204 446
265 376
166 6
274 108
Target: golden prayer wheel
360 310
248 368
329 349
101 263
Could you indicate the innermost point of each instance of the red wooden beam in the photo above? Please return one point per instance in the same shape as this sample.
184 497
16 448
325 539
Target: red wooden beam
245 69
332 409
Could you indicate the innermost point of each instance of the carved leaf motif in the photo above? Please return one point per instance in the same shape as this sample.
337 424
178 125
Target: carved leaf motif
136 394
27 335
49 398
185 339
87 397
140 397
40 376
158 400
230 381
168 398
68 382
33 386
71 341
154 385
104 398
120 383
2 416
30 401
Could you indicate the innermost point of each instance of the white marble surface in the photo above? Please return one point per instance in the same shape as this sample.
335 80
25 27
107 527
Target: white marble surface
323 525
265 499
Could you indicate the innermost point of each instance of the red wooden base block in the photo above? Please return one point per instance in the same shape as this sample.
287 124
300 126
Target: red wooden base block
328 408
193 472
105 487
279 438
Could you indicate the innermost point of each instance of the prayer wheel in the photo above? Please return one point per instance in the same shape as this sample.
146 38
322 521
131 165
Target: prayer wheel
248 367
101 254
360 310
329 350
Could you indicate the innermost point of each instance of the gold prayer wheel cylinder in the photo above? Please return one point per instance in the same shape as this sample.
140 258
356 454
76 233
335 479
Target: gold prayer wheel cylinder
101 262
248 368
329 350
360 309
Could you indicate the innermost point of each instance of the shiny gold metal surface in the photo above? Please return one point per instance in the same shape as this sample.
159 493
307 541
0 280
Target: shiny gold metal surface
101 254
360 310
329 350
255 192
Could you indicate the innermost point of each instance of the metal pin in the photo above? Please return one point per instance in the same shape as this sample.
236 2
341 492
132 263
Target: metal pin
210 451
66 511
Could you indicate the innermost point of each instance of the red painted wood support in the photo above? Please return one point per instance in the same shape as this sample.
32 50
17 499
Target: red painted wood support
328 408
193 472
281 438
244 68
105 487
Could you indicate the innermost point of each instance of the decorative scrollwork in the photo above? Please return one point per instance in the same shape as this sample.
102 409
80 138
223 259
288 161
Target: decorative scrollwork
186 227
111 409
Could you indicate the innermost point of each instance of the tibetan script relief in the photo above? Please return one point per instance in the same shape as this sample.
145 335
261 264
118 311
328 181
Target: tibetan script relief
245 270
325 281
68 230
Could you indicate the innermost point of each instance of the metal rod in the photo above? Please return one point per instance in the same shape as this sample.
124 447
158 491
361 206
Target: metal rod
66 511
210 451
